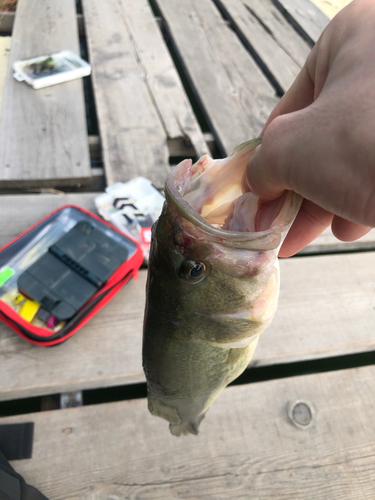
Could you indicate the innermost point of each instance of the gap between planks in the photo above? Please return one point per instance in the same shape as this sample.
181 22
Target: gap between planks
278 49
7 22
138 92
205 45
254 439
326 309
36 130
305 17
176 147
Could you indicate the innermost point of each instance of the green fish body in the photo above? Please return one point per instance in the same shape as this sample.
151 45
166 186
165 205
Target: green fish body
212 285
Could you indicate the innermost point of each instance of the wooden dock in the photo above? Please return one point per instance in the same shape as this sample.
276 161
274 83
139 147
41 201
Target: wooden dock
174 79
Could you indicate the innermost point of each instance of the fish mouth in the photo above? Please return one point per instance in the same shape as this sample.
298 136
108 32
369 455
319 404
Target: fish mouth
217 185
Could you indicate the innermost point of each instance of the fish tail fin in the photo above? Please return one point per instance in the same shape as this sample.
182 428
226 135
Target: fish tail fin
187 427
159 409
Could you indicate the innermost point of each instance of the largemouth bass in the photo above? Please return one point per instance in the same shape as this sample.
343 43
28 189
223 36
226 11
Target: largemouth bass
212 284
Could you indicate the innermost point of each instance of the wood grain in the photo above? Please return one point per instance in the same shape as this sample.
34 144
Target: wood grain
235 95
5 43
7 21
267 33
326 308
22 211
139 98
328 243
43 136
169 96
305 16
248 446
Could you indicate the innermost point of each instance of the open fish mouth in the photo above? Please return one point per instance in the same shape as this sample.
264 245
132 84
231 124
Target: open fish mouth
210 194
212 286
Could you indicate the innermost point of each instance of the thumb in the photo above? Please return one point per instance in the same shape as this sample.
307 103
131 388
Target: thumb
258 176
267 171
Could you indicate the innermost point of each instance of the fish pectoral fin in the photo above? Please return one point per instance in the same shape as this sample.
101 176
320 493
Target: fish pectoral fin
242 355
159 409
187 427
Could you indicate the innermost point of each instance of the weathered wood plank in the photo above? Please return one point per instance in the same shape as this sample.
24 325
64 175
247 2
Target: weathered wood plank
22 211
281 30
7 21
327 243
5 43
105 353
236 96
132 136
177 146
139 98
306 17
249 446
19 212
267 33
164 83
43 136
326 308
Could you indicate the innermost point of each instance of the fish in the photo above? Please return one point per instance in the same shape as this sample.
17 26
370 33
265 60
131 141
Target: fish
212 285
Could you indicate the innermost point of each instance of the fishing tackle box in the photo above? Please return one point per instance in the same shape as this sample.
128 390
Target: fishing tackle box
60 272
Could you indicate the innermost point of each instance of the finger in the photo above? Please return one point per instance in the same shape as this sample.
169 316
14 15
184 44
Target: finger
296 155
267 170
299 96
345 230
310 222
260 176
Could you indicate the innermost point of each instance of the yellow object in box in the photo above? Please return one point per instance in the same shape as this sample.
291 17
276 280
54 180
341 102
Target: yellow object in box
29 310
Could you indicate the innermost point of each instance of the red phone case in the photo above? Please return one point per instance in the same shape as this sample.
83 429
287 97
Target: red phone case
44 336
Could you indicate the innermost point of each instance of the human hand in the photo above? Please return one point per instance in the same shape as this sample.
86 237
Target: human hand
319 141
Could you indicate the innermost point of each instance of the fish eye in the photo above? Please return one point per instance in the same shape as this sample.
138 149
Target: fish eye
196 271
193 271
